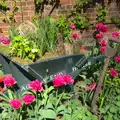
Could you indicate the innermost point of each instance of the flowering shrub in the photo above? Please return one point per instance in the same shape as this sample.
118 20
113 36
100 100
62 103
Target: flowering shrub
37 103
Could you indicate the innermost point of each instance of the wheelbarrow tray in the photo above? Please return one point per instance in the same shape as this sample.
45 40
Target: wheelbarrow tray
51 67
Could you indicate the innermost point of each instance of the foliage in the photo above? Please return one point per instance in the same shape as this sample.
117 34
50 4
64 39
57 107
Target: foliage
80 4
101 14
4 7
77 113
116 21
9 17
112 110
24 48
80 21
46 35
64 27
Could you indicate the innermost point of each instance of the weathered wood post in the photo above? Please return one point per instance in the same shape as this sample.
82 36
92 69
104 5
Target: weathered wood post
109 53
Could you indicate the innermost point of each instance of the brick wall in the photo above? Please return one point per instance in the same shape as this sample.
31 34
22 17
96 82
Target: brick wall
28 13
91 12
65 7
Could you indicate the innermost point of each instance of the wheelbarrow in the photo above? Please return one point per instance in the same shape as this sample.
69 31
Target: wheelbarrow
70 64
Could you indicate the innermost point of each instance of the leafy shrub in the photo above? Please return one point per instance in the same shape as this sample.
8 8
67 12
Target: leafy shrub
24 48
64 27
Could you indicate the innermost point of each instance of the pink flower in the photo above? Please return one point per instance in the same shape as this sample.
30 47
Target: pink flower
101 27
1 38
117 58
102 49
99 36
15 103
9 81
28 99
76 36
115 34
73 26
103 42
92 86
4 40
36 85
68 79
113 72
104 28
59 80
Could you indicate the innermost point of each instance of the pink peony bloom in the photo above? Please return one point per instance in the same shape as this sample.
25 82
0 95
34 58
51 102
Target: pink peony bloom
104 28
36 85
59 80
115 34
72 26
4 40
16 103
117 58
101 27
28 99
92 86
102 49
68 79
103 42
9 81
99 36
76 36
113 72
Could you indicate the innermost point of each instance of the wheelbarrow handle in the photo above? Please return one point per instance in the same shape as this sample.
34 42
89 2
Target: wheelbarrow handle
89 62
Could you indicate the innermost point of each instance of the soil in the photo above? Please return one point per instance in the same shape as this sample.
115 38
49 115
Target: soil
5 49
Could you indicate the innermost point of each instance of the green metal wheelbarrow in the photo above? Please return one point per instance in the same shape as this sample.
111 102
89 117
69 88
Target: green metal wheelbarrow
69 64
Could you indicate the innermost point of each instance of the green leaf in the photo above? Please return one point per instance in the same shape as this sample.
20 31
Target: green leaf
118 103
10 94
49 114
113 109
60 109
4 104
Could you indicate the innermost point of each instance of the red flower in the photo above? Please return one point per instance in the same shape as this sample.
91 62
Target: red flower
113 72
92 86
15 103
9 81
115 34
72 26
36 85
28 99
4 40
68 79
117 58
59 80
104 28
103 43
101 27
102 49
76 36
99 36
